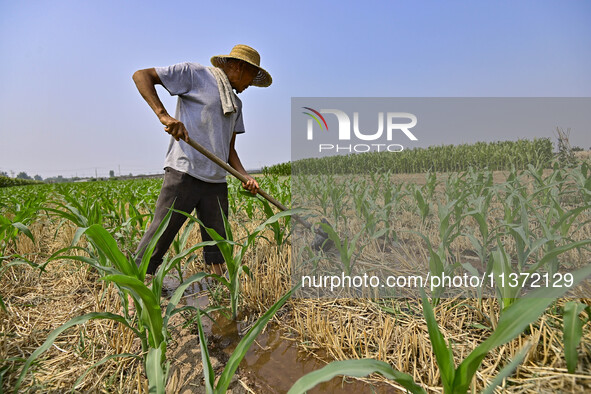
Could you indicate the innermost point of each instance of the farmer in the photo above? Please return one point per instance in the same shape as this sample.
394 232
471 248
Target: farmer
209 112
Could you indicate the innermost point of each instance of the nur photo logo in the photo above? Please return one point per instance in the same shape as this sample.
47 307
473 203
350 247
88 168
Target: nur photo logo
389 125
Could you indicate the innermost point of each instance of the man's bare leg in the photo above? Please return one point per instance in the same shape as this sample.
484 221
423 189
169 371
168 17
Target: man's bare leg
217 269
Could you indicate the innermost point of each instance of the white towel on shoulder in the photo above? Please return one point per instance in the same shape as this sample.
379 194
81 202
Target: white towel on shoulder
227 96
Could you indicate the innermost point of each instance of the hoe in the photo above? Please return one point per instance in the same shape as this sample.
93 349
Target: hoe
320 239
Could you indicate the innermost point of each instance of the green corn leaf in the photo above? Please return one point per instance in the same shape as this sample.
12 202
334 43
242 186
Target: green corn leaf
557 251
107 245
68 216
151 313
165 268
226 246
277 216
567 220
332 235
77 235
501 266
513 321
227 226
88 260
507 370
207 367
141 271
572 330
443 353
24 229
356 368
155 370
55 333
482 223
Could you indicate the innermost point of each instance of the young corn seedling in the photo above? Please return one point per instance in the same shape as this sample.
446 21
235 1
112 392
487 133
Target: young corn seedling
455 380
582 178
509 282
338 201
238 354
16 215
149 324
423 206
516 318
438 258
9 232
479 212
392 198
572 330
348 248
179 244
81 209
280 231
370 213
234 261
556 225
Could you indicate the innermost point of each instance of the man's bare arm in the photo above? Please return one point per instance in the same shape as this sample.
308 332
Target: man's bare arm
146 81
234 161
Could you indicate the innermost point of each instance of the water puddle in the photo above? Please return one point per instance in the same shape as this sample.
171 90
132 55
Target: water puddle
272 364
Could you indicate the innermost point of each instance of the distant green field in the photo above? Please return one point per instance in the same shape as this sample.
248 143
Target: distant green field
495 156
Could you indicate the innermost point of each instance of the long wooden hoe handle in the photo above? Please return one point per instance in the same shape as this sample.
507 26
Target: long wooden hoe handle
242 178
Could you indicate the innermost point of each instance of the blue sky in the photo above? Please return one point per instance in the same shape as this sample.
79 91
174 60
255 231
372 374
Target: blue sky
69 105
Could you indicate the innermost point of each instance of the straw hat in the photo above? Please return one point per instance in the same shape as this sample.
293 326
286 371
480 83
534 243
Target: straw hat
248 55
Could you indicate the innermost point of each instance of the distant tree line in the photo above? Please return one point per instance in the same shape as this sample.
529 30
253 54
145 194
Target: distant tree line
22 178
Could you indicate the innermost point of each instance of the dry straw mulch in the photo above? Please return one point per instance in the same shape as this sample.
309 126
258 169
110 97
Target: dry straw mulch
390 330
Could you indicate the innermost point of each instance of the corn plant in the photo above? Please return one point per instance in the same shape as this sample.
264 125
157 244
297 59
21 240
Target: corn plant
347 247
179 244
369 211
572 330
10 230
555 223
456 380
280 232
149 324
392 198
423 206
355 368
16 215
439 257
81 209
338 201
517 317
238 354
234 261
509 283
479 183
582 177
479 211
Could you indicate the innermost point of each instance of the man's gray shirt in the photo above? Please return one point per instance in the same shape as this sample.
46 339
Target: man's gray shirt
200 109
